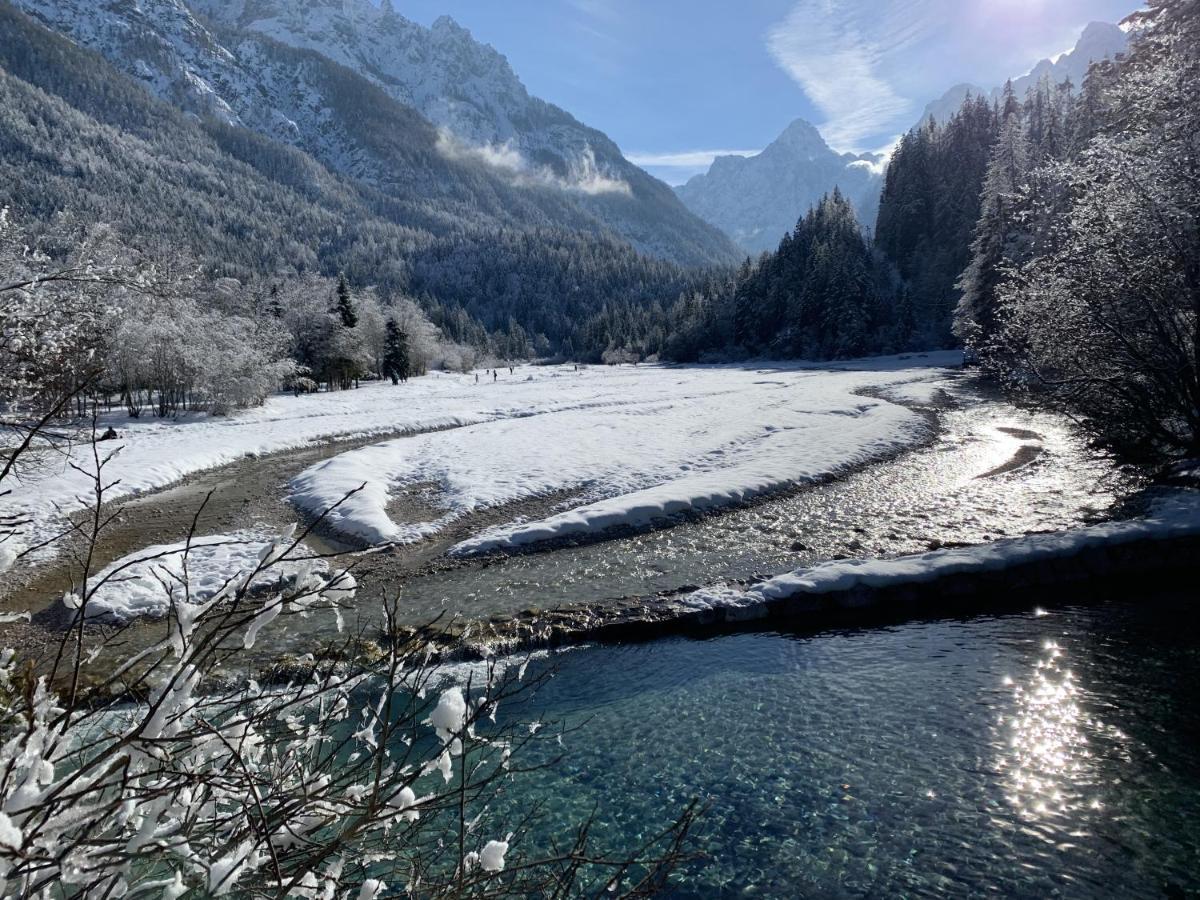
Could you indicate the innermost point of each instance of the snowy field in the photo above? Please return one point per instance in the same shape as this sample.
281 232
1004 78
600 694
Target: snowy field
633 442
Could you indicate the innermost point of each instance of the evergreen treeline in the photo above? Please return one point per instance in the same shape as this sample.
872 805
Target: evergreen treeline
944 196
825 293
929 208
1069 251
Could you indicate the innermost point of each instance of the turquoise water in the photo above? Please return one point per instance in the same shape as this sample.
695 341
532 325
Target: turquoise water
1028 755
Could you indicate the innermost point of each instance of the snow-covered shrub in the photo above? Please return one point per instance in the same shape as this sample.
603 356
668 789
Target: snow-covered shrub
173 354
194 768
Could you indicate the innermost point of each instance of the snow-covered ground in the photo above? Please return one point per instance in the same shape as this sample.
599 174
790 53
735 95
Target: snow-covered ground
634 443
146 583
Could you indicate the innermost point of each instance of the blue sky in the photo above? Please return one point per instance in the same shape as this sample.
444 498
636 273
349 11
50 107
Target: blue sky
673 81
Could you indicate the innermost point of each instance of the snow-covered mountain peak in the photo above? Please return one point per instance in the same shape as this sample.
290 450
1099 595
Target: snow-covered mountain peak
756 199
1098 41
800 134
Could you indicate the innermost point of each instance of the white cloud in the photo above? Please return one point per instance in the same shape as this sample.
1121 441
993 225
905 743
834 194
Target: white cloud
689 159
602 10
584 174
843 54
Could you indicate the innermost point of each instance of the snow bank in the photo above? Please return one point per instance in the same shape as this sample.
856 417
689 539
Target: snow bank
633 443
153 453
145 583
1171 517
603 431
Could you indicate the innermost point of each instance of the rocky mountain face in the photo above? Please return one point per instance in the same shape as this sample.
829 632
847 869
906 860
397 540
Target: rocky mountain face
314 73
1099 41
757 199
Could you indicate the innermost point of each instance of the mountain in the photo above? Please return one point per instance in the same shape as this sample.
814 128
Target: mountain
1100 40
757 199
400 107
84 142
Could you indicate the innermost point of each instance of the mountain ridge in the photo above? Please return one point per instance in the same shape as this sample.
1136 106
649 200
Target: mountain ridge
212 59
1097 41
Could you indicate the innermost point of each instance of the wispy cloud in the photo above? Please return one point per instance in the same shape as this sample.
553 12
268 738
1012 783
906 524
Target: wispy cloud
843 54
584 175
689 159
600 10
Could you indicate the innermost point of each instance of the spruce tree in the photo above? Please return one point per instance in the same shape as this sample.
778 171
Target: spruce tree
999 238
345 304
396 364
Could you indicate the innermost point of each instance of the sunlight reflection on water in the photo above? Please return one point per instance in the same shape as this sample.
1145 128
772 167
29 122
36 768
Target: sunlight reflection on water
1048 753
1036 755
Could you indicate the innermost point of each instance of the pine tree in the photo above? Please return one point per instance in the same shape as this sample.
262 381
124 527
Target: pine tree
929 210
345 304
396 365
999 239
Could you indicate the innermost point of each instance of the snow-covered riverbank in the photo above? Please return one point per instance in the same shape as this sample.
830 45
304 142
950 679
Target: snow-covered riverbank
1171 517
633 443
608 431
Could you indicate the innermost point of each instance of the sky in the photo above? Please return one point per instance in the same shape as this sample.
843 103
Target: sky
675 82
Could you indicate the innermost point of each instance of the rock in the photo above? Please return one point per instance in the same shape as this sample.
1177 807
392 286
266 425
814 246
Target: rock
799 547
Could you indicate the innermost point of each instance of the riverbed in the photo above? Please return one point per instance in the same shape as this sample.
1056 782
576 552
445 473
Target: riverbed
987 470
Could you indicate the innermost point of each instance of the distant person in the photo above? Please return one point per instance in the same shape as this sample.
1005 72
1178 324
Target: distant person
495 375
511 370
477 378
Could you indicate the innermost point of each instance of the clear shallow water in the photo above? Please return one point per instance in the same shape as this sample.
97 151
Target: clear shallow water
1026 755
947 492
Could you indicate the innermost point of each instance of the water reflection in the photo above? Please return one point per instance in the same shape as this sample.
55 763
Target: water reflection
1047 758
896 761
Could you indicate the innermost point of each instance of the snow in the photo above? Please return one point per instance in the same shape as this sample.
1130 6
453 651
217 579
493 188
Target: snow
491 858
10 834
146 583
153 453
1174 516
450 714
633 444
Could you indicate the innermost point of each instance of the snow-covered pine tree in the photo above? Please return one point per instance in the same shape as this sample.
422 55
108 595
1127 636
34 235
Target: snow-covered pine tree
396 364
999 238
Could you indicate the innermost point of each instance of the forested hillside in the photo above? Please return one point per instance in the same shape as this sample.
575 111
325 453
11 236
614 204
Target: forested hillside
81 139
